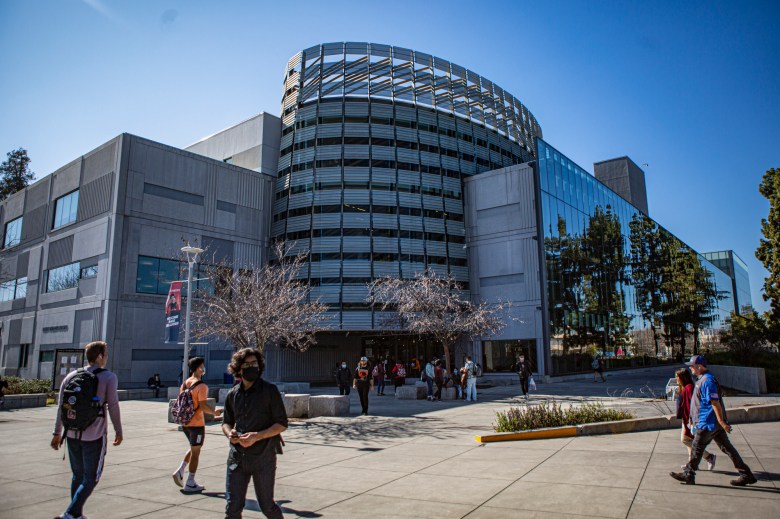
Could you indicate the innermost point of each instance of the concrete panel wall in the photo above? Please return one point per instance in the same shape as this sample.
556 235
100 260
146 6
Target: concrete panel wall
503 250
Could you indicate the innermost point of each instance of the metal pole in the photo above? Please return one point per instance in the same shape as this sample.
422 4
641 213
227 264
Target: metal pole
185 367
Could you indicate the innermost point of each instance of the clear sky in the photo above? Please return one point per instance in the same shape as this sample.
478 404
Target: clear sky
690 88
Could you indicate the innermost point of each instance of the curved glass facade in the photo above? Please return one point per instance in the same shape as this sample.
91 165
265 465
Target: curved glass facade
617 282
375 143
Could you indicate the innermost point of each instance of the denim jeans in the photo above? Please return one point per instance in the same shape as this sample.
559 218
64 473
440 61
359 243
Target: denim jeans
262 471
86 463
379 382
471 389
429 382
702 438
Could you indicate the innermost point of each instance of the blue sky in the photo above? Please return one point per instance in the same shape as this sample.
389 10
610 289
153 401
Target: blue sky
690 88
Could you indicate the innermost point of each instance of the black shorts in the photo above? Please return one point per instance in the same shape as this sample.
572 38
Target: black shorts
195 435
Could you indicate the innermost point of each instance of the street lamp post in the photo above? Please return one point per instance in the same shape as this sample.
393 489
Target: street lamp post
192 258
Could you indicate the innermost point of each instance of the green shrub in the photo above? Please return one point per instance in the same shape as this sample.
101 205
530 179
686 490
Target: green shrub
26 386
552 414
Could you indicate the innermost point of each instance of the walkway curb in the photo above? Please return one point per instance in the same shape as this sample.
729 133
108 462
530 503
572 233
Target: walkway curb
752 414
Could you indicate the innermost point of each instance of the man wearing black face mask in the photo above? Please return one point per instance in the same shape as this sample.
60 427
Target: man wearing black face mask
253 420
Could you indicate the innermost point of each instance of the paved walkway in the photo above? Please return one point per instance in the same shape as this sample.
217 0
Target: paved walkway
409 459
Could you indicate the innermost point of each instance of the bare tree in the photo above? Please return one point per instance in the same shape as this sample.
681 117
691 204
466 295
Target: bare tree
430 304
255 306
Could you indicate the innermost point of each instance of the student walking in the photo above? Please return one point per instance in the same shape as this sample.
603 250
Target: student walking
598 369
379 378
363 382
524 373
685 387
708 422
471 380
427 377
253 420
344 379
195 429
438 379
85 396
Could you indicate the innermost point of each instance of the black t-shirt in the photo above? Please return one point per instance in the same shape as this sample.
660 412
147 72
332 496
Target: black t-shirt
254 410
363 374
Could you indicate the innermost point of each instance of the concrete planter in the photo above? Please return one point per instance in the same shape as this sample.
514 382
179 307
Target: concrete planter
328 405
761 413
296 405
24 401
411 392
624 426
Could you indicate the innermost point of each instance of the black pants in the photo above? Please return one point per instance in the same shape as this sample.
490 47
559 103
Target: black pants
363 388
439 384
524 385
262 471
702 438
343 389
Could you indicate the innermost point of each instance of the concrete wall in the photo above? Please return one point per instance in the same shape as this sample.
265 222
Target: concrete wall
136 197
503 251
749 380
251 144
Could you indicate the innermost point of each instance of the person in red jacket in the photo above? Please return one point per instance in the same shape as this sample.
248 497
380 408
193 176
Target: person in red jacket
685 393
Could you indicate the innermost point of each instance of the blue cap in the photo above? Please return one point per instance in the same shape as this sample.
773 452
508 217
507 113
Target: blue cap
697 359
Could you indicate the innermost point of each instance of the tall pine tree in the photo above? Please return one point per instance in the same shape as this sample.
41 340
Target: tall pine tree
15 173
768 251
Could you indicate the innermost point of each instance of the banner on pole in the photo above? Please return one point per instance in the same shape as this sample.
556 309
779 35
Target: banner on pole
173 313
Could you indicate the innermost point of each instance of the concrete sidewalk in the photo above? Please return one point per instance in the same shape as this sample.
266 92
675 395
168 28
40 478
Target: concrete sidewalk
409 458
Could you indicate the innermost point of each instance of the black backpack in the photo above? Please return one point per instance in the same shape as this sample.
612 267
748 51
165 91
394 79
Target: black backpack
80 405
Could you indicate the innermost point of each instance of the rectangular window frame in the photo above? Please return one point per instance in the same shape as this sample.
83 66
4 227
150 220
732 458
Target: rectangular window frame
13 233
66 210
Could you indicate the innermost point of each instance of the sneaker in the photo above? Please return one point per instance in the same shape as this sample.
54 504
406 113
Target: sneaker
178 478
711 462
688 479
193 488
744 479
66 515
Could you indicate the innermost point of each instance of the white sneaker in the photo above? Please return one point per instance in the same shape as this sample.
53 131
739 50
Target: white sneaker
178 478
190 488
711 462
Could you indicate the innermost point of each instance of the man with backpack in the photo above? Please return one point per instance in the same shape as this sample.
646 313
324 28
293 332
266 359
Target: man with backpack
188 409
708 422
399 375
253 420
85 395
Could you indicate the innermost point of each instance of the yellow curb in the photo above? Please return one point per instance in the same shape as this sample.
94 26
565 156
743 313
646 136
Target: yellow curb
558 432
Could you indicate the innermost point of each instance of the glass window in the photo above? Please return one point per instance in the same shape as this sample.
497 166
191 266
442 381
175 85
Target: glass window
146 279
13 233
7 290
65 209
89 272
169 271
63 278
21 288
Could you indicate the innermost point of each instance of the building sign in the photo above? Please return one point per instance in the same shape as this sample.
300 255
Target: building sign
173 313
55 329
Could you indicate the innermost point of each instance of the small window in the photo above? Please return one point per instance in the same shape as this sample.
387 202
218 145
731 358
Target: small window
63 278
24 353
66 209
89 272
13 289
13 233
46 356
